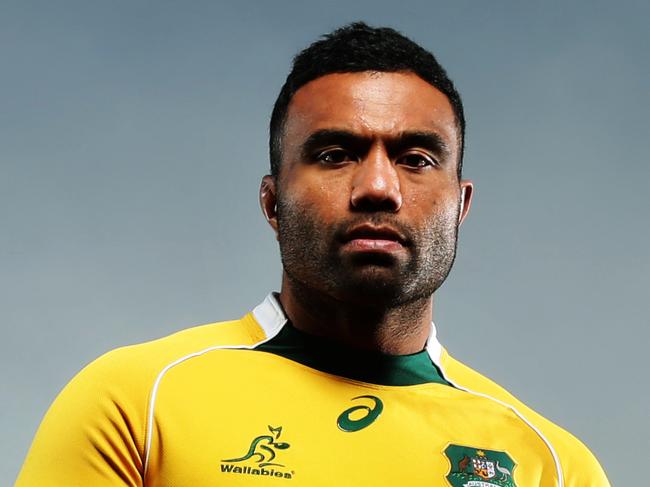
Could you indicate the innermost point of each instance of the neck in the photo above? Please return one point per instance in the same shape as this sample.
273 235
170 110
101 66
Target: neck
397 330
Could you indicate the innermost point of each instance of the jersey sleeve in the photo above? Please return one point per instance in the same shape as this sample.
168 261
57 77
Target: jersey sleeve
93 433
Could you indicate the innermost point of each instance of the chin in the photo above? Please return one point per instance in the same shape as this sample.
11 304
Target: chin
371 287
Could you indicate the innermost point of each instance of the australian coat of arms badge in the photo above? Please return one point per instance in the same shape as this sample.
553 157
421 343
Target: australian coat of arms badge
475 467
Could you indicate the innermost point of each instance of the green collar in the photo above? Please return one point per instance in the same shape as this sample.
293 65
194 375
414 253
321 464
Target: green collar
365 366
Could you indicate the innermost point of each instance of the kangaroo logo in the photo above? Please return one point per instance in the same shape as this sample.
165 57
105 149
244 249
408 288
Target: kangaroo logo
263 448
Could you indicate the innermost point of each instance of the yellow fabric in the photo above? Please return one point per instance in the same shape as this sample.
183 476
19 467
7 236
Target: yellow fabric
222 411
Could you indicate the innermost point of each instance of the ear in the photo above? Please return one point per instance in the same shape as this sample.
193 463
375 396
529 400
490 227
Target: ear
269 201
466 194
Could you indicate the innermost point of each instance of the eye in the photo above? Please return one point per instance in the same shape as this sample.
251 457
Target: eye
335 156
417 160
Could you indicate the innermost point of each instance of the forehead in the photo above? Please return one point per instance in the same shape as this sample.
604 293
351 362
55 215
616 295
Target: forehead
371 104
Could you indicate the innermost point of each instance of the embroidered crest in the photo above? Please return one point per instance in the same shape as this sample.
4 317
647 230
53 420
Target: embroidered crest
474 467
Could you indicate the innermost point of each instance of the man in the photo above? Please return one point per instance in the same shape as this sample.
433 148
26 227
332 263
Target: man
339 378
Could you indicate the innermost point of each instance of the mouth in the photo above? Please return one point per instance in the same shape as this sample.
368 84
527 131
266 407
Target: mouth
370 238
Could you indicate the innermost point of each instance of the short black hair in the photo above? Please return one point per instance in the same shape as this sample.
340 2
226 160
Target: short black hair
353 48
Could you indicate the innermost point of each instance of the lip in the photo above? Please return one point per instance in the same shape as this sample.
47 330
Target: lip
371 238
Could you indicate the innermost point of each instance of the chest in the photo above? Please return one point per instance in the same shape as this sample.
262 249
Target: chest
255 419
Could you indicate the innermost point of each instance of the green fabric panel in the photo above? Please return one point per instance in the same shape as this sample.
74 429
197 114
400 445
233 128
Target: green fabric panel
365 366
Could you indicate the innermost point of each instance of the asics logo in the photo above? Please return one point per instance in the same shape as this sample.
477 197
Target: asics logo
349 420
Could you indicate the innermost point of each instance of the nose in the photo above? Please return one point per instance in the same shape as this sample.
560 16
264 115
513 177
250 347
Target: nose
376 185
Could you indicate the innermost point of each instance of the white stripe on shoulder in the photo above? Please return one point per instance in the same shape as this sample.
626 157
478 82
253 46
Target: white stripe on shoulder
271 319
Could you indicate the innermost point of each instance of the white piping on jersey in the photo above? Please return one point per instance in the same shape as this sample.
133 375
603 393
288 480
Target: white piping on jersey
271 318
434 349
268 315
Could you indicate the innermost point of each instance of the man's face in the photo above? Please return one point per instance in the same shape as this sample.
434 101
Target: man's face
368 199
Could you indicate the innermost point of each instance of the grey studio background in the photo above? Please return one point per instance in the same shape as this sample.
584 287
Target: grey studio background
133 138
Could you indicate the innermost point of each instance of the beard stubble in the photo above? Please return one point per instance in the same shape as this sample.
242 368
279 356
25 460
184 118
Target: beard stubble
312 258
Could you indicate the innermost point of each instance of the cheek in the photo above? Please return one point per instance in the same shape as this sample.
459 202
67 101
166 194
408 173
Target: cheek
433 204
423 197
323 194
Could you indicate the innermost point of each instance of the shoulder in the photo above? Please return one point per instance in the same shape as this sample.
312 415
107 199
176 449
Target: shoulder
123 378
95 432
143 362
579 466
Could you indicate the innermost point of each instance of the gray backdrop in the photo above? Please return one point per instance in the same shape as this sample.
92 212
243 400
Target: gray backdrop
132 142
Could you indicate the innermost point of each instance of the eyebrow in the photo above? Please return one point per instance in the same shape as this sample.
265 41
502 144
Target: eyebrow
325 137
430 141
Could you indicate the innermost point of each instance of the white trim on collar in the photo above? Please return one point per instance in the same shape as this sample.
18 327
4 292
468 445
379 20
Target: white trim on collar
270 316
433 346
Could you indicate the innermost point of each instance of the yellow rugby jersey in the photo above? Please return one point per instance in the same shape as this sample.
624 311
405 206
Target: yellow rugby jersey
255 402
